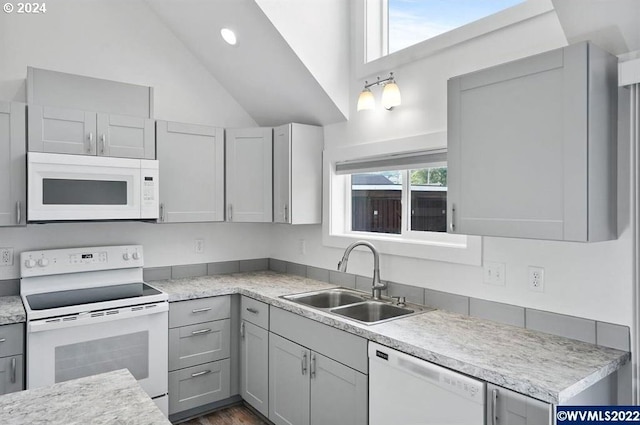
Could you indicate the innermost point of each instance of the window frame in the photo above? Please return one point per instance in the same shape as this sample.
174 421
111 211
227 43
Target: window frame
438 246
510 16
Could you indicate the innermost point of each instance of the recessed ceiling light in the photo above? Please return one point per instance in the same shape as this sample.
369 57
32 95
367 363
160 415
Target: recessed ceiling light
229 36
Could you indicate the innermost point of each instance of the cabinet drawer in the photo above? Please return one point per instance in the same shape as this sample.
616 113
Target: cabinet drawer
348 349
255 312
11 339
199 311
199 385
200 343
11 374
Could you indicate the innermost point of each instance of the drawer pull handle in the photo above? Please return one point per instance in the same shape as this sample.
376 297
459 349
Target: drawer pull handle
242 330
204 372
3 340
201 331
13 370
201 310
252 310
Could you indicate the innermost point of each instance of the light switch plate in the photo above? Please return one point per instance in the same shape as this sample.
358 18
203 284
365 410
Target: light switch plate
494 273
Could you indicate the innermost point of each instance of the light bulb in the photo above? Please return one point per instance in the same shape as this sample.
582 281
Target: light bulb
229 36
366 101
391 95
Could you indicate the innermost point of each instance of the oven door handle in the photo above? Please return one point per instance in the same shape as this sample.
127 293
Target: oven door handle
94 317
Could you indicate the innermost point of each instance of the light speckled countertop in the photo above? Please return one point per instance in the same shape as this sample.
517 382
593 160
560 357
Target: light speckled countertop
108 398
11 310
547 367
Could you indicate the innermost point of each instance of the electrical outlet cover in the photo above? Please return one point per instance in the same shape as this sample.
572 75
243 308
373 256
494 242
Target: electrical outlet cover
536 279
6 256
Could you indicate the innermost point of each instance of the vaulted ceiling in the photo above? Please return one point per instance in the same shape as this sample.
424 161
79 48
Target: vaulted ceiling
262 72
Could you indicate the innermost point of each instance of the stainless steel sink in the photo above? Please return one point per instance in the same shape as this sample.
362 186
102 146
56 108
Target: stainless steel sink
372 311
326 299
355 305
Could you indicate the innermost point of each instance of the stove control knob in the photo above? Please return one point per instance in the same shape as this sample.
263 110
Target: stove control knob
30 263
136 255
43 262
126 256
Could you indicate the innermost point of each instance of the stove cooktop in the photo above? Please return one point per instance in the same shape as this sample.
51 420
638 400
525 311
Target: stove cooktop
88 296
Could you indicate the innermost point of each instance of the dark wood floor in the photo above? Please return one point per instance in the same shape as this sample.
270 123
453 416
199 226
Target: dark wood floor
236 415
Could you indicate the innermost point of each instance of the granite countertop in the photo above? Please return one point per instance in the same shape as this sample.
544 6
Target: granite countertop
108 398
12 310
547 367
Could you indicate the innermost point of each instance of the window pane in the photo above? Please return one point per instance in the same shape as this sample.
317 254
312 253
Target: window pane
411 21
429 199
376 202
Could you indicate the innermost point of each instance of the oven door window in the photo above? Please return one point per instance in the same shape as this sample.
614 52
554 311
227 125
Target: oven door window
57 191
130 351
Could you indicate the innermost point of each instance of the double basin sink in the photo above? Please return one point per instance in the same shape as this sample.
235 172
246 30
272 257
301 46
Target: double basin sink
354 305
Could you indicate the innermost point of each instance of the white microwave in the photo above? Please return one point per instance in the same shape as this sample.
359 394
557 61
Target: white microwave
77 187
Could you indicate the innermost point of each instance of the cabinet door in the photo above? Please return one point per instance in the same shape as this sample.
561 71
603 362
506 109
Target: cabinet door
12 164
191 155
288 382
254 367
338 393
531 152
506 407
126 137
58 130
249 175
282 174
11 374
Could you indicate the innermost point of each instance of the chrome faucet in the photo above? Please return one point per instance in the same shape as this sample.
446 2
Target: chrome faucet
376 286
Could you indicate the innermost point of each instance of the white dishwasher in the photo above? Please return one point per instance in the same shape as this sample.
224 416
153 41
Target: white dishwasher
409 391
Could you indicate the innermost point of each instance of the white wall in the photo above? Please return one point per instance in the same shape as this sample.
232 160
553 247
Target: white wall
586 280
317 34
124 41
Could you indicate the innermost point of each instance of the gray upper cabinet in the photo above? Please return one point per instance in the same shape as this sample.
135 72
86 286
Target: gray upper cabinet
191 155
532 147
297 174
249 175
12 164
71 131
506 407
74 114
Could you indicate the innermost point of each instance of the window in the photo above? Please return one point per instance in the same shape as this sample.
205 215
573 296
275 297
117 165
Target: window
377 200
394 194
391 26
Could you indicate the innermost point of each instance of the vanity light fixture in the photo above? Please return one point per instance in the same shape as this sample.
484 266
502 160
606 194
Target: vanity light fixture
390 94
229 36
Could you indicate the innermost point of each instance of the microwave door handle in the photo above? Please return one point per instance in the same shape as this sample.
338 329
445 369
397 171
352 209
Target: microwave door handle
18 212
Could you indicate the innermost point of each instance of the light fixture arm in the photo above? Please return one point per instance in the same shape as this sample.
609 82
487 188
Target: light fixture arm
389 79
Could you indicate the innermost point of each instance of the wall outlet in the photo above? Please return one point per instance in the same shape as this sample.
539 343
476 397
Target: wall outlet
199 246
494 273
6 256
536 279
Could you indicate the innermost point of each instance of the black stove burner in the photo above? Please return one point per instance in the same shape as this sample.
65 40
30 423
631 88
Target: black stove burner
74 297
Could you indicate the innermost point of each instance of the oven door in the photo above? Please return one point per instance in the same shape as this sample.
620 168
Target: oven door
134 338
76 187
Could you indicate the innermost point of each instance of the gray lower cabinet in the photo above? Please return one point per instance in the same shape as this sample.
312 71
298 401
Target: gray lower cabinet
506 407
306 386
13 174
199 352
11 358
532 147
254 354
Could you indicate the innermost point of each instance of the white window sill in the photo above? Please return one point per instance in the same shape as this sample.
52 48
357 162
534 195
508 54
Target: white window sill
461 249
